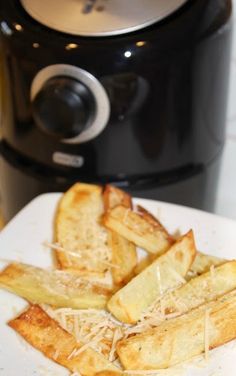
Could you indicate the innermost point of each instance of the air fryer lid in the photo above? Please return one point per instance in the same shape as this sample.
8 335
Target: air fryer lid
99 17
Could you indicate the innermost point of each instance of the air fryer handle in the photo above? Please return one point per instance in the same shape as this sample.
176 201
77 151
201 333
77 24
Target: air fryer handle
63 108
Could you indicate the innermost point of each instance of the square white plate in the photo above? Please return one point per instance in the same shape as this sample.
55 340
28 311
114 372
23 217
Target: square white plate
23 239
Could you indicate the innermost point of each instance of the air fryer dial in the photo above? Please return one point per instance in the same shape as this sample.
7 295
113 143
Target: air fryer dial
69 103
64 107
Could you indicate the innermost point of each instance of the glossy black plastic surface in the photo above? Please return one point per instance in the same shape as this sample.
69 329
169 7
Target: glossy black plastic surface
63 108
168 94
167 86
23 181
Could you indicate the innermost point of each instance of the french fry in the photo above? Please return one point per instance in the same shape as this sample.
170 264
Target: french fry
124 258
43 333
139 229
124 255
186 297
55 287
166 272
183 337
200 265
200 290
78 230
149 258
153 220
114 196
203 262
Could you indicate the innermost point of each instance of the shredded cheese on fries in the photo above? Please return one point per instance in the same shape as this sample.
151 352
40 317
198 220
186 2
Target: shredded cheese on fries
95 328
86 245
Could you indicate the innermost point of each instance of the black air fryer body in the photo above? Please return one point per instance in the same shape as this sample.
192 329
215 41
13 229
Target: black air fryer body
164 92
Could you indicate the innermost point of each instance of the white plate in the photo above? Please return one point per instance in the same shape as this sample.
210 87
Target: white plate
23 239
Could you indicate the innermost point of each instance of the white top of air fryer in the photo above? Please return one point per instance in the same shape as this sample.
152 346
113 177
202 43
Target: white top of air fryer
99 17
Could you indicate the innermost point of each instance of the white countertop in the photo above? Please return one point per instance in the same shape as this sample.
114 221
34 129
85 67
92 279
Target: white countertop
226 197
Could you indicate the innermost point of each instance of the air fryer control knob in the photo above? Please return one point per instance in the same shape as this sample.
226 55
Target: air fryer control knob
64 107
69 103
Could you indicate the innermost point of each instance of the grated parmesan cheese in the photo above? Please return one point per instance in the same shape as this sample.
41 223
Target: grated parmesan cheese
176 275
81 232
116 337
91 327
103 254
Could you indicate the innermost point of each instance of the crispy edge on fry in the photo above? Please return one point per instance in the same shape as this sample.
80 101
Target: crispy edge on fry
114 196
200 290
44 334
81 199
55 287
165 273
181 338
136 228
154 221
124 255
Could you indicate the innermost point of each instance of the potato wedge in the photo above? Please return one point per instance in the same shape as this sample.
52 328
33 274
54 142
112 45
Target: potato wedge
202 264
200 290
43 333
166 272
82 239
181 338
153 220
124 256
149 258
56 287
139 229
114 196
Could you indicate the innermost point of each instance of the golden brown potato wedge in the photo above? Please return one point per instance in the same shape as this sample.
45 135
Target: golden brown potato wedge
124 256
153 220
81 239
166 272
114 196
149 258
43 333
181 338
55 287
139 229
202 264
199 290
